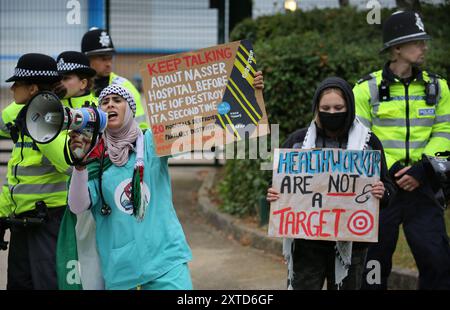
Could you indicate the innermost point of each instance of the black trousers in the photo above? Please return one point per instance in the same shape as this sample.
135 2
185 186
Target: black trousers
314 263
32 255
424 228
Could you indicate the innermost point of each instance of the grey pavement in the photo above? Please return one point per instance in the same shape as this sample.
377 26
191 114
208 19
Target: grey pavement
219 262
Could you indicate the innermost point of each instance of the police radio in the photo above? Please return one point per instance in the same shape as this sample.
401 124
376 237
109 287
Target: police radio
383 91
431 93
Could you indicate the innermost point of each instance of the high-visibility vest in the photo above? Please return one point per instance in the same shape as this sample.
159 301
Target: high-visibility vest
8 115
401 118
35 172
80 101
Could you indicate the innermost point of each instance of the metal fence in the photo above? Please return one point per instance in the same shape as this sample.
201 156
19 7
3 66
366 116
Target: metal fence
139 29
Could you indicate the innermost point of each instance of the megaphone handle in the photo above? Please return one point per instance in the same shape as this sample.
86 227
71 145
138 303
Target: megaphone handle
73 160
96 135
68 155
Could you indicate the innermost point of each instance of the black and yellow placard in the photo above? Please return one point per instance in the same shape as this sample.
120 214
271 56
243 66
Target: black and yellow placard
204 98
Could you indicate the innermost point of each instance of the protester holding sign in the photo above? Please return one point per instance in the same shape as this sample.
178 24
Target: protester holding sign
334 126
140 240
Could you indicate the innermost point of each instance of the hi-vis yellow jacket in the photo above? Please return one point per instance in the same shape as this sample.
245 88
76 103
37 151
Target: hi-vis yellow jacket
80 101
35 171
406 125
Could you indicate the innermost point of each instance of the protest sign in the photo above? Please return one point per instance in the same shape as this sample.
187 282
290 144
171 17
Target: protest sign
204 98
325 194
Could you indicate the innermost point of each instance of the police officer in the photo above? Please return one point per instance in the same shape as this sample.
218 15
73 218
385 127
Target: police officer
409 110
98 46
34 199
76 79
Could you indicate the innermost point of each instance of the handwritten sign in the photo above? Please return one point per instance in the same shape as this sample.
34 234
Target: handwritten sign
199 99
325 194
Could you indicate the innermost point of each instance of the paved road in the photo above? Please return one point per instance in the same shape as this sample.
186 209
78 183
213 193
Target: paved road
219 262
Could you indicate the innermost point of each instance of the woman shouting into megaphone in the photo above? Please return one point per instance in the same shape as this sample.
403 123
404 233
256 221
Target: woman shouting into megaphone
127 188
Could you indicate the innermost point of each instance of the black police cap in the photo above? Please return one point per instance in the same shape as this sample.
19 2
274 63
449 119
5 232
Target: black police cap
74 62
35 68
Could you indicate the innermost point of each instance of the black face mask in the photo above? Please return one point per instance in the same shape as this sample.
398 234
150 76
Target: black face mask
332 121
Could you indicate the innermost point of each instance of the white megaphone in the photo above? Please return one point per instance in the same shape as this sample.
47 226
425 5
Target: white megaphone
46 117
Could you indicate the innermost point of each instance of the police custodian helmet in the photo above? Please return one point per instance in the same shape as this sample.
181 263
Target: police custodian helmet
401 27
97 42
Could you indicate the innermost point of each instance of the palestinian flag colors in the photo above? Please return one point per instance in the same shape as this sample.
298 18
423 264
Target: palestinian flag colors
239 107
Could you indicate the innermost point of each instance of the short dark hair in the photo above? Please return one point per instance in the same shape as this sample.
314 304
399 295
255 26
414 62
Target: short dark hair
40 85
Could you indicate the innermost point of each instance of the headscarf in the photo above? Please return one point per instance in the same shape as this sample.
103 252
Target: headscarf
119 142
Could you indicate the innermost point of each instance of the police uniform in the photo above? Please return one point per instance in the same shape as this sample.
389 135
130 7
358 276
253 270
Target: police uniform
98 42
411 117
36 182
72 62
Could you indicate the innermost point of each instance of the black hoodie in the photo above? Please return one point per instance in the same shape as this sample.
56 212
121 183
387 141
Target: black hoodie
296 138
337 82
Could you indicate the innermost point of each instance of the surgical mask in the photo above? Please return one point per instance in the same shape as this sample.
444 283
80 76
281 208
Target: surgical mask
332 121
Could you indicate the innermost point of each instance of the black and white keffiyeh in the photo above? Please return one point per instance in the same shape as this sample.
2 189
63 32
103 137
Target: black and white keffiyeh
121 91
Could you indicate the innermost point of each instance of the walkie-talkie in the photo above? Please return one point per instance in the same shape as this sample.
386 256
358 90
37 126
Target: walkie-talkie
383 91
431 93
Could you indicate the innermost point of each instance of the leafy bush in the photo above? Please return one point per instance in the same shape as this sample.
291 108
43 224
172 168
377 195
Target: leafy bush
296 51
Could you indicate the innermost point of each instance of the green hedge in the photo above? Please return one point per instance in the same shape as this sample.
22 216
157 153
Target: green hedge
296 51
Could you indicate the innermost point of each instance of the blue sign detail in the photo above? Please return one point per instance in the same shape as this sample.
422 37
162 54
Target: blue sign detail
223 108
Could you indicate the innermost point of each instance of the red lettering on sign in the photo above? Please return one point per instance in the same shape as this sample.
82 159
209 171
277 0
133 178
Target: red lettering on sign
312 224
336 222
301 217
322 222
341 194
164 66
151 69
281 211
309 224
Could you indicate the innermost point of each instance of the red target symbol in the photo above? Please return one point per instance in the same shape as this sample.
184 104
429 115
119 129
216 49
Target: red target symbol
360 223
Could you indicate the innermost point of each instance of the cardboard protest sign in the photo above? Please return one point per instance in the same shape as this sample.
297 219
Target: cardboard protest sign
325 194
199 99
